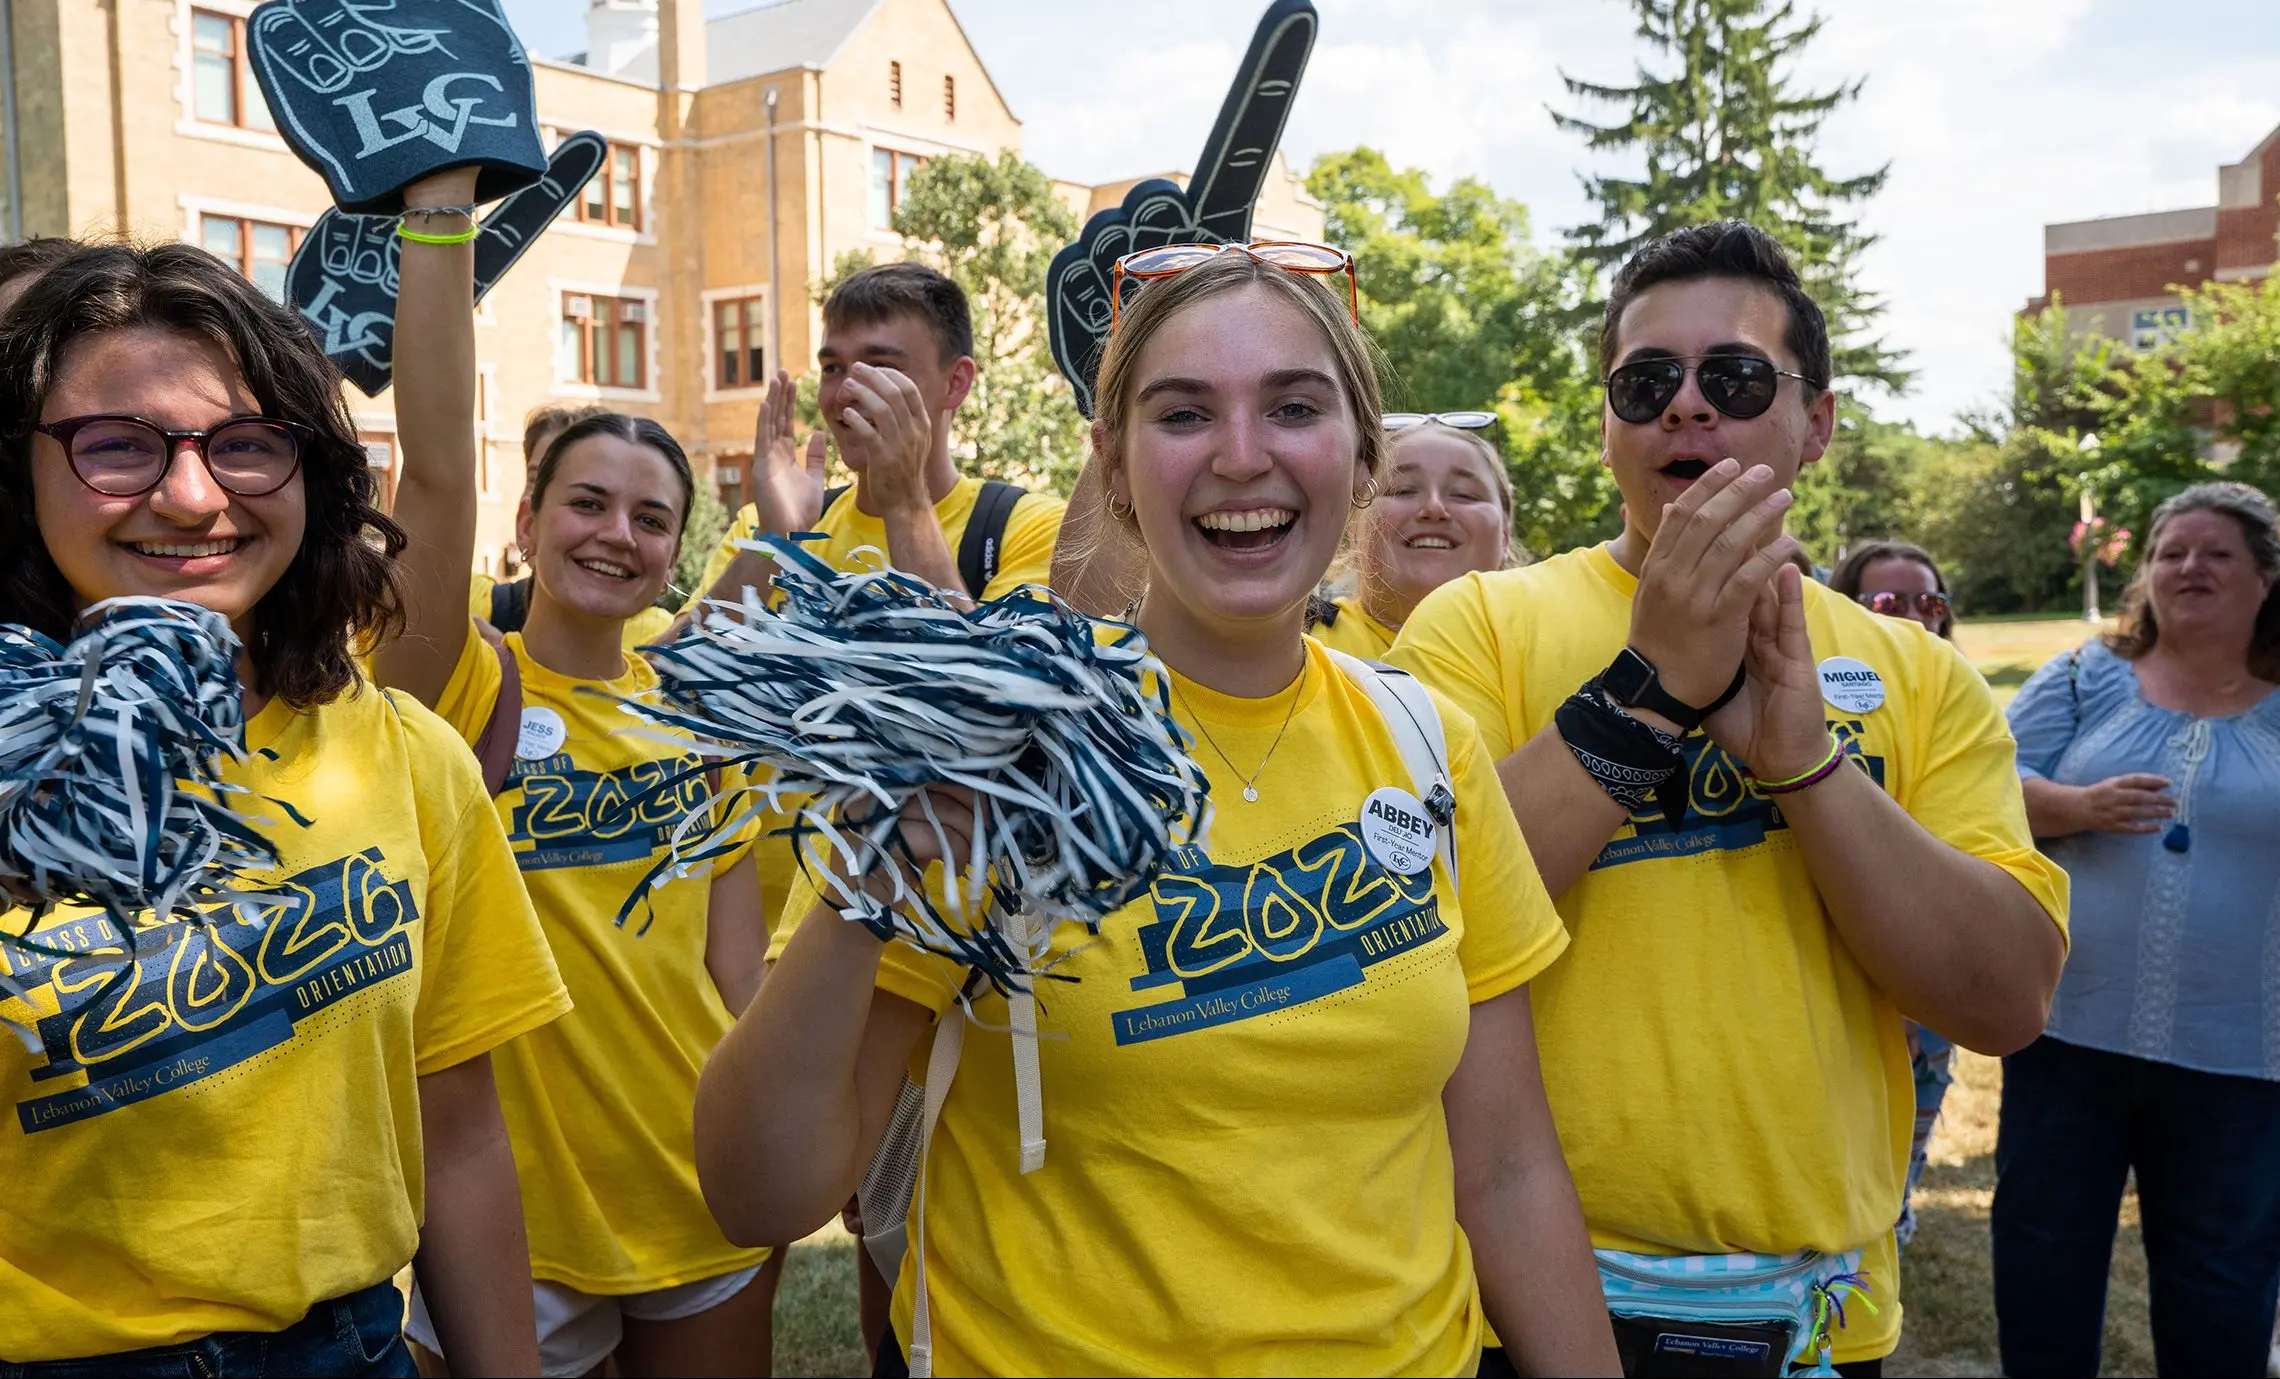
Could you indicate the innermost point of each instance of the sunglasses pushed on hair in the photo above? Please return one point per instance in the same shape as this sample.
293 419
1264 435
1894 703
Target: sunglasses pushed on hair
1296 256
1740 385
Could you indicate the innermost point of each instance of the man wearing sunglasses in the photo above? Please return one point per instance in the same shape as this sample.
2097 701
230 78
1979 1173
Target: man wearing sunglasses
1775 823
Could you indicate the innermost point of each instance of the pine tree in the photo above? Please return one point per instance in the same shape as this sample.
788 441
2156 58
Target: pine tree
1728 135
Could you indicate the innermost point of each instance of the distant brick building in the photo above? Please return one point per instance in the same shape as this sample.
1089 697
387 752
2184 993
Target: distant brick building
2114 275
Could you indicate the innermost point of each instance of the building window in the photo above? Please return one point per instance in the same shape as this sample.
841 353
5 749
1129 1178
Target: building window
260 250
890 182
605 340
894 84
949 98
380 458
222 89
740 338
613 197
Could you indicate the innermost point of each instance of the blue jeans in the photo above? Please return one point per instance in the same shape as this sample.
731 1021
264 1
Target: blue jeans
359 1335
2206 1149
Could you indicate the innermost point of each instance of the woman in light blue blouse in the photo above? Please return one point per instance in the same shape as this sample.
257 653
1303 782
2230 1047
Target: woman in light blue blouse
2151 763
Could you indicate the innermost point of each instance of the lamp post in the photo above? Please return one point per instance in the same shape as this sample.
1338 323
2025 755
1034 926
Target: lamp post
2090 543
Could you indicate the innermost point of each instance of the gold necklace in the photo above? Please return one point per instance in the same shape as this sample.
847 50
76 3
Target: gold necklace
1251 785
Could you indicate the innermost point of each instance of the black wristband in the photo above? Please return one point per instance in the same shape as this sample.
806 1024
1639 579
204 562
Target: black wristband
1631 760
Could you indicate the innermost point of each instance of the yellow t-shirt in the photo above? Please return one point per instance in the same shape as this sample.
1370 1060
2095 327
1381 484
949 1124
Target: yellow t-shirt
236 1136
1724 1075
1031 529
1355 632
641 629
599 1104
1249 1169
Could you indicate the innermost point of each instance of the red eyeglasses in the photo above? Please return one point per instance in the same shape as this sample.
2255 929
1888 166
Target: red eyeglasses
1298 256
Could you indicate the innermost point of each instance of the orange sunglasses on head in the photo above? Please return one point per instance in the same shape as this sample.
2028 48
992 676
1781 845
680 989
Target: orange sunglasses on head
1297 256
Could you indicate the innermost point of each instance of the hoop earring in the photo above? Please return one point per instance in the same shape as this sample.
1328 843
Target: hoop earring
1123 514
1368 495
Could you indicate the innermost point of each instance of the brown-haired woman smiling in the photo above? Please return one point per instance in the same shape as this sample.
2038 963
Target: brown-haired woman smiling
277 1116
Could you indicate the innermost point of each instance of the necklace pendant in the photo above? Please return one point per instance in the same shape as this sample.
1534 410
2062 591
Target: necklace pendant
1251 794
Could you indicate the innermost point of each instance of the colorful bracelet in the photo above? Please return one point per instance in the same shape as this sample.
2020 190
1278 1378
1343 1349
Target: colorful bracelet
462 237
1815 776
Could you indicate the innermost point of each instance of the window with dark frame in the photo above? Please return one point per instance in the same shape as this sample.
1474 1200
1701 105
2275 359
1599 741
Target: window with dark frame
613 196
222 88
259 249
605 340
740 339
890 182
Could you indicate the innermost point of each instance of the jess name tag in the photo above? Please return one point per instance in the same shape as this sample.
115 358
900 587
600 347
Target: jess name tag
541 735
1397 831
1851 685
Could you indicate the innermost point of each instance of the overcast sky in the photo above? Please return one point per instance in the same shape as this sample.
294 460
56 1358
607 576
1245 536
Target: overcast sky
1996 115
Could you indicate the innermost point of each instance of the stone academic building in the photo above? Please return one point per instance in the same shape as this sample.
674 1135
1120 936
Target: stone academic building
748 153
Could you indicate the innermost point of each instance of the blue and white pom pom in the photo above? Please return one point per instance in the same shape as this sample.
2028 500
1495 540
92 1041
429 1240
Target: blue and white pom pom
863 691
110 752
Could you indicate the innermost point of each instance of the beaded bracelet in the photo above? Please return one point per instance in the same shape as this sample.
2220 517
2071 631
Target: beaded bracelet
1815 776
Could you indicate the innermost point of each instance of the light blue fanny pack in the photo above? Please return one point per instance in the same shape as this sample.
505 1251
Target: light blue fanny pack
1683 1310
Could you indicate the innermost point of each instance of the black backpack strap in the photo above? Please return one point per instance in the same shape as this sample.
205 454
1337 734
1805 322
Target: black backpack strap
980 549
1321 612
510 605
831 495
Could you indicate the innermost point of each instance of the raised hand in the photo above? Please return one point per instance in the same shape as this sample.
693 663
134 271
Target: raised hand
1214 209
787 489
377 94
1712 557
343 278
1776 725
889 436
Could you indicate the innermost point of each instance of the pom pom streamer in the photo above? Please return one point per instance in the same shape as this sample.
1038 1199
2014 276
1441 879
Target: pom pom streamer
109 753
868 692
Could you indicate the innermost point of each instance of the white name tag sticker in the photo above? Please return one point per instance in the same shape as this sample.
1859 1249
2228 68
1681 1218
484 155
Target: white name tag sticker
1398 832
1852 685
541 735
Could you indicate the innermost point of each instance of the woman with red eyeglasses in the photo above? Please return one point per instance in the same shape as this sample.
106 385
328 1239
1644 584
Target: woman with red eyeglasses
1901 580
220 1167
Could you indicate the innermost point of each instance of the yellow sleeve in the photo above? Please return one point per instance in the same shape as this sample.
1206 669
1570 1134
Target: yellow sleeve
487 974
479 586
1967 792
1032 529
1451 645
472 692
747 522
1511 931
645 627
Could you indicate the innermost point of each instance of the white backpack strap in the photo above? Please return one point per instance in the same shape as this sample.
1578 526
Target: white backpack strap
1414 721
941 1067
1028 1083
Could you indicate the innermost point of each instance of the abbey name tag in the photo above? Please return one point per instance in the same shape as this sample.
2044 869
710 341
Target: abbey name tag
1397 831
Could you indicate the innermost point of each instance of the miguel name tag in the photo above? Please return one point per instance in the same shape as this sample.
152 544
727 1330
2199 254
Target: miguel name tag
1851 685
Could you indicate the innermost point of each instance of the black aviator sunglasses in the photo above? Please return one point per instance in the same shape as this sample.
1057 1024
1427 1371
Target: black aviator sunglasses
1739 385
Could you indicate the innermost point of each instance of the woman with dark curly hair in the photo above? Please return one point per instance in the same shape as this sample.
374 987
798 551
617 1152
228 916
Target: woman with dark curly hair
2151 764
218 1166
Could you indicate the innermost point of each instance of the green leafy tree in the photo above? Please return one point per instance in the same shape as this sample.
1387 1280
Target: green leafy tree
1728 132
993 227
1863 489
1469 315
700 535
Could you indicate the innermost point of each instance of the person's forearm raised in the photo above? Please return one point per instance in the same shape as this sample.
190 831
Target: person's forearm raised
434 350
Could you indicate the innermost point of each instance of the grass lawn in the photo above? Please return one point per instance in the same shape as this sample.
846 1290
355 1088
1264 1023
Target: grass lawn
1947 1283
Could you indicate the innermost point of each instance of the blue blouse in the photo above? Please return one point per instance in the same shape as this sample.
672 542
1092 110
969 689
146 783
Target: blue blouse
2176 935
